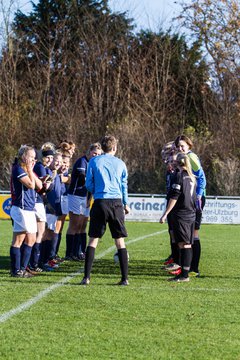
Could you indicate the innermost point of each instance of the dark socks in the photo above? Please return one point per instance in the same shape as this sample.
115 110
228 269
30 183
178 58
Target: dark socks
196 247
35 254
59 242
15 256
53 246
69 244
48 249
186 258
83 242
76 244
175 253
26 254
123 261
42 257
89 261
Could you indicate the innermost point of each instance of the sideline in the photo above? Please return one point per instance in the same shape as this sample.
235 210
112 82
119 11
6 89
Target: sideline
26 305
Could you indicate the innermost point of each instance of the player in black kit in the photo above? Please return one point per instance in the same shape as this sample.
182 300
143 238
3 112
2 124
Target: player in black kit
181 205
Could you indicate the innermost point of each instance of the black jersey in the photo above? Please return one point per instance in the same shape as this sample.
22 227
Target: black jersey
183 189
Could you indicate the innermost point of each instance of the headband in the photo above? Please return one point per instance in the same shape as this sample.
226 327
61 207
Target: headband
47 152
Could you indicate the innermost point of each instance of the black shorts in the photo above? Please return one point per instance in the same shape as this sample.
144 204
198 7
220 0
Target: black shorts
183 231
109 211
198 219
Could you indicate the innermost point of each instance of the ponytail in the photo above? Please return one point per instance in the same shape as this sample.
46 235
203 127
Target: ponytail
184 162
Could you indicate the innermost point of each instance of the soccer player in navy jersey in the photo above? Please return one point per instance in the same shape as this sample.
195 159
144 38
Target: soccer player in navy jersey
23 185
106 180
182 207
65 179
53 211
41 169
77 204
184 145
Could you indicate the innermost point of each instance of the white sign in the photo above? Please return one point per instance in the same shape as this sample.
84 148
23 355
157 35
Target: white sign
216 211
221 211
146 208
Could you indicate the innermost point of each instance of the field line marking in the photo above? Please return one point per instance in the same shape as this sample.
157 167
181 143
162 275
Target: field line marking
7 315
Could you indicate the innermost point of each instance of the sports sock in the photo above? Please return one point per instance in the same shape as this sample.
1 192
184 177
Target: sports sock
42 257
76 244
25 256
69 244
196 247
35 254
186 258
89 261
83 242
47 250
15 256
59 242
53 246
175 253
123 261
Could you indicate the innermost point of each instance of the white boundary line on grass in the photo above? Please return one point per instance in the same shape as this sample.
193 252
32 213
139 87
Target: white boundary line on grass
7 315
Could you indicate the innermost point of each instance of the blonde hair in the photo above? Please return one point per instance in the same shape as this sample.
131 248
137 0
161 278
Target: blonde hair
184 162
48 146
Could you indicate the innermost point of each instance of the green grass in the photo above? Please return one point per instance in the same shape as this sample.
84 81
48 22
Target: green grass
150 319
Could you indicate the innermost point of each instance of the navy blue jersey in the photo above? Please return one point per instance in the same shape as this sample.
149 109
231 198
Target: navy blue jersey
77 185
183 189
54 197
64 186
40 171
22 197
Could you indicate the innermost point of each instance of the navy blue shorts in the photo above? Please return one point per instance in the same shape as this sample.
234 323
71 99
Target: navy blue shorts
109 211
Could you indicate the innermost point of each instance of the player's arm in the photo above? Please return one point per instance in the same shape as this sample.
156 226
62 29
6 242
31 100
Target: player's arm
170 206
29 179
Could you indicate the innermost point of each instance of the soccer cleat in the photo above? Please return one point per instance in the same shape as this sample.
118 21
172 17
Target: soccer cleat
81 256
46 267
32 271
123 283
194 274
68 258
26 274
59 259
38 269
17 274
179 279
52 264
75 258
85 281
22 274
172 267
168 261
176 272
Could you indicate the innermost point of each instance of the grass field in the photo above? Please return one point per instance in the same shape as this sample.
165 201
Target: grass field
51 317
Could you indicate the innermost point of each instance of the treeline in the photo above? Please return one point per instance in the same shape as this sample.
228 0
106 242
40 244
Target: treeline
75 70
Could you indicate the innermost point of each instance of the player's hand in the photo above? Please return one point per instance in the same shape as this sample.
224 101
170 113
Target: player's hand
163 219
29 165
126 209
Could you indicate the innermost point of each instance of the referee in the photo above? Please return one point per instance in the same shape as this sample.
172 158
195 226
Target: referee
182 207
106 180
